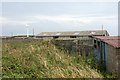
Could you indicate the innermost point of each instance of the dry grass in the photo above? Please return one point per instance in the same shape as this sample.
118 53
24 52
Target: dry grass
42 59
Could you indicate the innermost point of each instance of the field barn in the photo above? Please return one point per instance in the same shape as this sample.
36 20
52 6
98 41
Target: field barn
74 41
107 50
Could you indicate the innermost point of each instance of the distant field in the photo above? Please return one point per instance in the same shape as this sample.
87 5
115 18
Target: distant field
42 59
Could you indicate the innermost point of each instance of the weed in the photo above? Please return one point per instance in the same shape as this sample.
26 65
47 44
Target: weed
42 59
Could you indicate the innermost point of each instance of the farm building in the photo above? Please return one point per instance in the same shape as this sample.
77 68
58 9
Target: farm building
72 34
23 36
107 50
5 37
19 38
74 41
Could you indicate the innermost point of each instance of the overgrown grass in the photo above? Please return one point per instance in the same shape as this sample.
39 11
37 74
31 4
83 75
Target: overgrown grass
42 59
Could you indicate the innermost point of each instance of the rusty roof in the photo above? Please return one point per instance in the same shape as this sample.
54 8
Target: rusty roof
111 40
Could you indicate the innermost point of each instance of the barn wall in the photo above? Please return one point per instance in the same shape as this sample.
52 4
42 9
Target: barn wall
76 46
118 58
112 59
60 37
112 56
119 65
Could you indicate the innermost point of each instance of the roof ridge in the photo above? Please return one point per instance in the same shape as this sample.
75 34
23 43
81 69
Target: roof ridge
72 31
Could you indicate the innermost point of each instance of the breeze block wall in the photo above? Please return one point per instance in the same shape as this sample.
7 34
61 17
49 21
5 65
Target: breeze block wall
112 65
81 47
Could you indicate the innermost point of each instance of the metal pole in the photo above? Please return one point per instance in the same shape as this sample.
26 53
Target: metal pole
102 29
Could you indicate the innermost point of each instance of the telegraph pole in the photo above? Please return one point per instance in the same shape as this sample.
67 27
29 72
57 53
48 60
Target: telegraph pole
102 29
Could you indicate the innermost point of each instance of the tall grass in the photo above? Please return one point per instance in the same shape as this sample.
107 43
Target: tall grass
42 59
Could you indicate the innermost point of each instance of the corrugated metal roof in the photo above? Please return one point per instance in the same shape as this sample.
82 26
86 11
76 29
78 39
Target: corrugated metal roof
111 40
75 33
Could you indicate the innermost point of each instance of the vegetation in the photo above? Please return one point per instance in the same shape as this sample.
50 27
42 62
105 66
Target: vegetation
42 59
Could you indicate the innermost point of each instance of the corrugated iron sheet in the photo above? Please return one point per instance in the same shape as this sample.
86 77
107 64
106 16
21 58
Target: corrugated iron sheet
75 33
111 40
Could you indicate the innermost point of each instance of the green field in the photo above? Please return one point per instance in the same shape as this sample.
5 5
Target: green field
42 59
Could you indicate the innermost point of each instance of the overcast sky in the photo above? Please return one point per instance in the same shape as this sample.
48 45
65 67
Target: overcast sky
58 16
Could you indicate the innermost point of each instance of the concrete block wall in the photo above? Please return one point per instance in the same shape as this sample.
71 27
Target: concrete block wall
112 59
118 62
75 47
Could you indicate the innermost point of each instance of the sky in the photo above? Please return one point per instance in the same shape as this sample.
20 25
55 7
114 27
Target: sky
18 17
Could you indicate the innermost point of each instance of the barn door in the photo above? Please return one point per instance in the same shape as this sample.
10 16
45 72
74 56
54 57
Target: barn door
104 55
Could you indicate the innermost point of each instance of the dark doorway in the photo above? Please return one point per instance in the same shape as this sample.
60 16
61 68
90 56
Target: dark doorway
72 36
55 37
